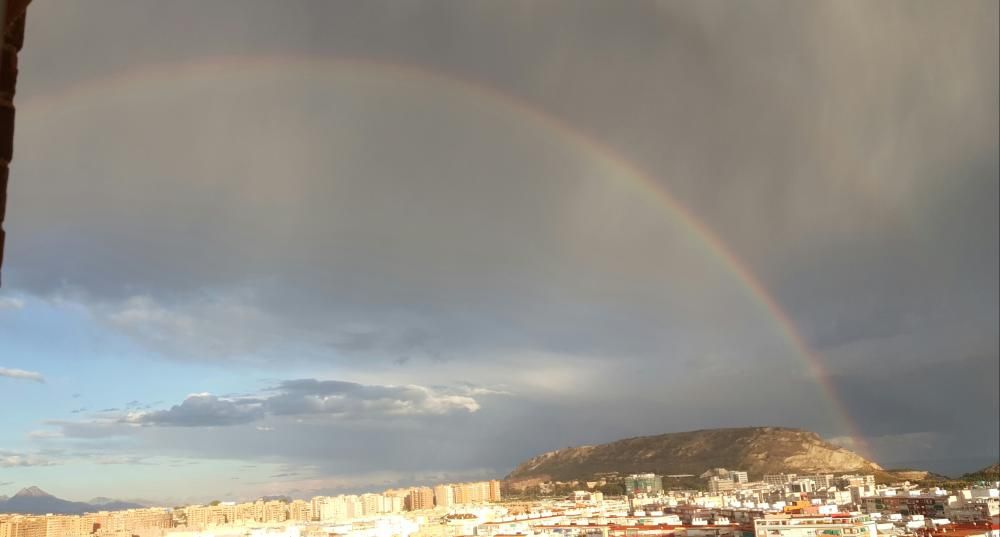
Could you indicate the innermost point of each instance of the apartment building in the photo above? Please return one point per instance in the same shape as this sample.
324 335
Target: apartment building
137 522
65 526
444 496
821 481
643 483
975 505
23 526
718 484
420 498
928 505
856 480
300 511
494 491
779 480
477 492
836 525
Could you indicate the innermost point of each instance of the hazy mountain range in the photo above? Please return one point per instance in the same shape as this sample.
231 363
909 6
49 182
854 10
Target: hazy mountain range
35 501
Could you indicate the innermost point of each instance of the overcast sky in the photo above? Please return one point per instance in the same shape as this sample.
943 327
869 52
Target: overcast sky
302 247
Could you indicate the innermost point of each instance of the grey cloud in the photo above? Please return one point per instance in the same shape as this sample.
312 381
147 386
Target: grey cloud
302 397
199 410
21 374
12 459
120 459
91 430
12 303
679 94
285 474
57 456
493 211
311 396
913 397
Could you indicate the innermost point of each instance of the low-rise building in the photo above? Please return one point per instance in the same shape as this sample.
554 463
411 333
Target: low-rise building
835 525
928 505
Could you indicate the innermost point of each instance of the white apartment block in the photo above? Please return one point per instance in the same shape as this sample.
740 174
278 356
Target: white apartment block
837 525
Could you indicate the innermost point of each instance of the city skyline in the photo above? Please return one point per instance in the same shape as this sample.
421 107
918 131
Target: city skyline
343 246
780 505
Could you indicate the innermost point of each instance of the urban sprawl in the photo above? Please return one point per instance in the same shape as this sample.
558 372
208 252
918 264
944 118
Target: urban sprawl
637 505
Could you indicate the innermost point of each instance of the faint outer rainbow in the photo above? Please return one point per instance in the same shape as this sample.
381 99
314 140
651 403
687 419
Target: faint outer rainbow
157 75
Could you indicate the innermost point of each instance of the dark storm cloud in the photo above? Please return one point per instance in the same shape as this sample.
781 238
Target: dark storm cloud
846 152
388 258
924 397
709 95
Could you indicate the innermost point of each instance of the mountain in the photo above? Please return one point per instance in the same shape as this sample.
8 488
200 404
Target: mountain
110 504
918 476
757 450
990 473
35 501
285 499
32 492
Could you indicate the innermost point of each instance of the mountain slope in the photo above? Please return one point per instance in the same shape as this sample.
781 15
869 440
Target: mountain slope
35 501
990 473
758 450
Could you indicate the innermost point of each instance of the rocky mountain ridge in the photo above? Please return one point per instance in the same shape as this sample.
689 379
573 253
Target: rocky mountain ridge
757 450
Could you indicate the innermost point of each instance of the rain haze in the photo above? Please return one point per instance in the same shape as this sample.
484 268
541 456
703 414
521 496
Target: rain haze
315 247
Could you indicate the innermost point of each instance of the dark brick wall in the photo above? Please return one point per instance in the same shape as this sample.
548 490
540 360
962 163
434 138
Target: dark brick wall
13 39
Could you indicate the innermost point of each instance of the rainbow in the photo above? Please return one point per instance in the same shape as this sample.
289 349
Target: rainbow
157 75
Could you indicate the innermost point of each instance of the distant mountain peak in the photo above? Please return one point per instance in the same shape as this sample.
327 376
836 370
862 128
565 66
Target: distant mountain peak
35 501
32 492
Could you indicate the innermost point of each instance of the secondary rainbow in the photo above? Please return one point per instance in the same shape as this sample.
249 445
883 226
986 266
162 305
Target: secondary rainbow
157 75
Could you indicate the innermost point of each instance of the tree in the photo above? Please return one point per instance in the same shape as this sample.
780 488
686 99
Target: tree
612 489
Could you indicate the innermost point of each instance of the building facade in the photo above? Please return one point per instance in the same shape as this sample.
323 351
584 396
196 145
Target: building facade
837 525
643 483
